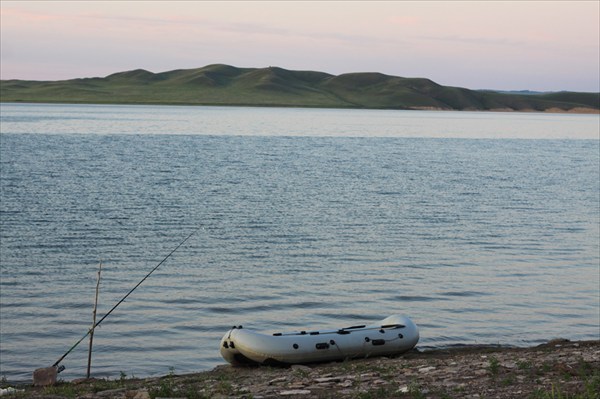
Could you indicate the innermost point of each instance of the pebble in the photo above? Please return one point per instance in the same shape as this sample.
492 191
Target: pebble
301 367
449 383
324 384
276 380
297 385
509 365
346 384
367 375
111 392
9 391
295 392
141 395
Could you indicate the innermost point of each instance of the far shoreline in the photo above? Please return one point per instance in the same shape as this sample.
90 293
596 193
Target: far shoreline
576 110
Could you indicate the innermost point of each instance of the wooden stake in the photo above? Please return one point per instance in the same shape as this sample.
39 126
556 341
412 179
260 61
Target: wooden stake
94 322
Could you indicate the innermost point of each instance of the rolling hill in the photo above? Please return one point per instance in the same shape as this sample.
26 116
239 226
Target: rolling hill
228 85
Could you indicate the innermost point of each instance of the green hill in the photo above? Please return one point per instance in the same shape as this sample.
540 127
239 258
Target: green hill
228 85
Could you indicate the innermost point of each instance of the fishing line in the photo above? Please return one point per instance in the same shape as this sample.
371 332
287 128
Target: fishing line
125 297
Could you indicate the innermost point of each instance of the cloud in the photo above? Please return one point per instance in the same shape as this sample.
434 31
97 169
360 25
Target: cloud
403 20
484 41
444 41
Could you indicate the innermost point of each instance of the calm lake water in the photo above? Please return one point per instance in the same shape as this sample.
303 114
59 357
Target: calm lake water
481 227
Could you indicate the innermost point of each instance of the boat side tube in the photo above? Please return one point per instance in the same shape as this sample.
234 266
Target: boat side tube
393 335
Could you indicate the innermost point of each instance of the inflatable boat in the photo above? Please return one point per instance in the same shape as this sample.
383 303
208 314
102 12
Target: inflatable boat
393 335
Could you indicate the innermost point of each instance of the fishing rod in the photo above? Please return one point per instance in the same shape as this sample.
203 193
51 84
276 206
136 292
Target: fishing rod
125 297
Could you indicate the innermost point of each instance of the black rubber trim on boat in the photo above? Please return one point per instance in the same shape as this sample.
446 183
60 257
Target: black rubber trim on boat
322 345
378 342
393 326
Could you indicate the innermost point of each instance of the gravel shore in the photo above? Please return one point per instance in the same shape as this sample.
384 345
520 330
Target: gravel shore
558 369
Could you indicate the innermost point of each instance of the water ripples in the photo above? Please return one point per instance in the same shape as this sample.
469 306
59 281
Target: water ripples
479 241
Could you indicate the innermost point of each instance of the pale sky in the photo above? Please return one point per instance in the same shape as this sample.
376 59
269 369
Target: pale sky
524 45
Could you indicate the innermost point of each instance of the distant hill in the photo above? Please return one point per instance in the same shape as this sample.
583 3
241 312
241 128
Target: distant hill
228 85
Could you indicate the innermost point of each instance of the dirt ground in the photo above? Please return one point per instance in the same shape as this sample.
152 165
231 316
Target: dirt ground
558 369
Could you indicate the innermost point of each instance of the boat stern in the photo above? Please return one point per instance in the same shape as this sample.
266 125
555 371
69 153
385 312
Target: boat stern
227 348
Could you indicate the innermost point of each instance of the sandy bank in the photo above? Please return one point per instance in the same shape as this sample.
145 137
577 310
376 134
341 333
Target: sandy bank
558 369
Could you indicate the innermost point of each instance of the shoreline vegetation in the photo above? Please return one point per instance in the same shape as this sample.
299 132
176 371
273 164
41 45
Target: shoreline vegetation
225 85
557 369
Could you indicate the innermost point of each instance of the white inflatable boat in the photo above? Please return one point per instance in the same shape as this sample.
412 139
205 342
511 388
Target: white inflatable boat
392 336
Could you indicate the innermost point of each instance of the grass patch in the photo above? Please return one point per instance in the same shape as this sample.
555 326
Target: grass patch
524 365
494 366
166 388
590 389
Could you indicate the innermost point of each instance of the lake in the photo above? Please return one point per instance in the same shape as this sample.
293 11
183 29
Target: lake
482 227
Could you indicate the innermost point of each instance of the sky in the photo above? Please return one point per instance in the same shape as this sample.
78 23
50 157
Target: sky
501 45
